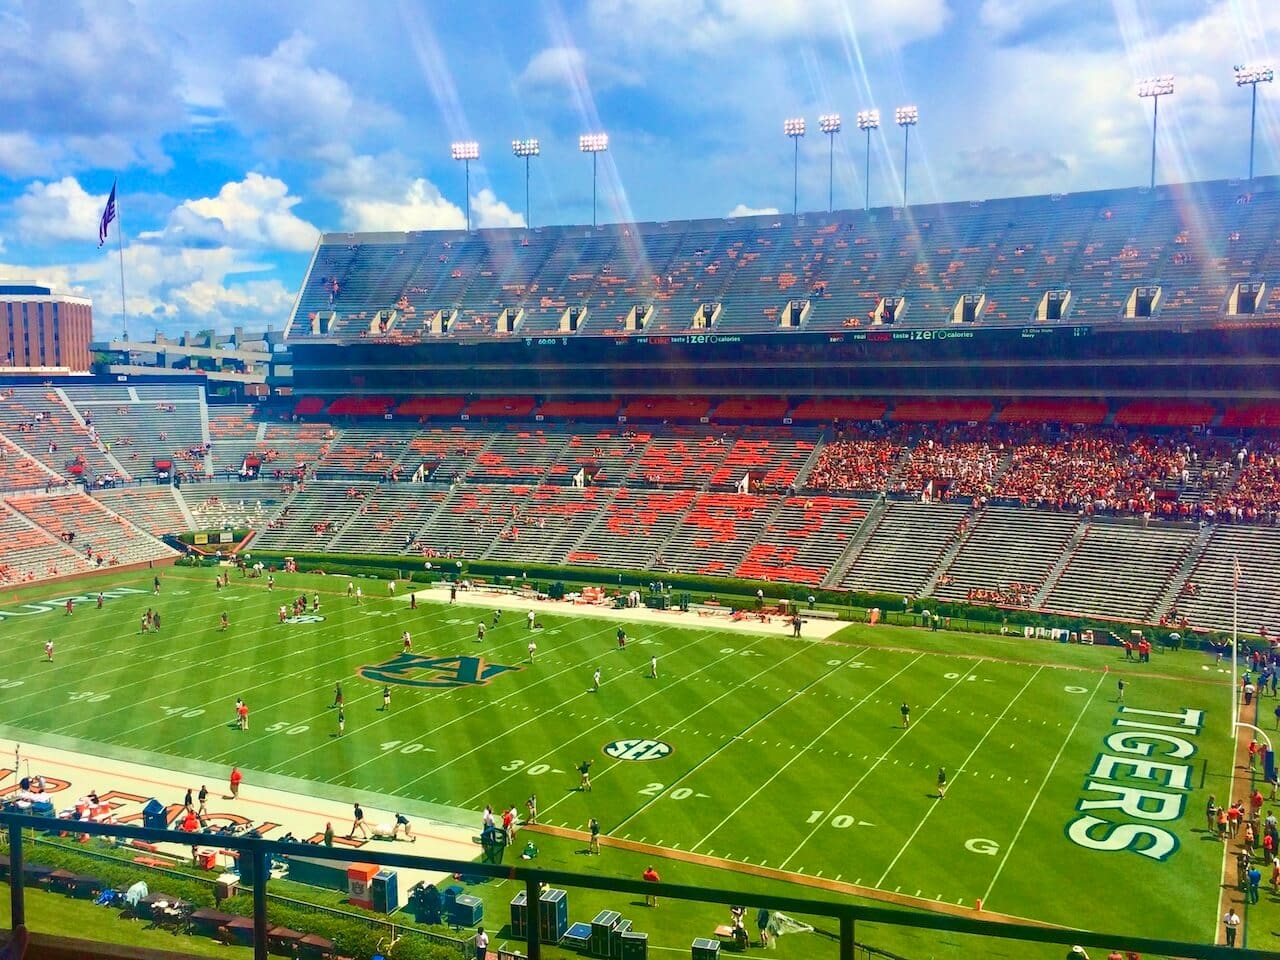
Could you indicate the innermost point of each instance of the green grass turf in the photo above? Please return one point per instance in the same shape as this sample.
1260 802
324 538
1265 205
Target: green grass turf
786 754
60 915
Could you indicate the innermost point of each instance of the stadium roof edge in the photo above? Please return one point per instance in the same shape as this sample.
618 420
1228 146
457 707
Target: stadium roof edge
1262 184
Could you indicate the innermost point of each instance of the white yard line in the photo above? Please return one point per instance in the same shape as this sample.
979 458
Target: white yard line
768 669
986 897
978 746
881 759
736 739
517 694
796 756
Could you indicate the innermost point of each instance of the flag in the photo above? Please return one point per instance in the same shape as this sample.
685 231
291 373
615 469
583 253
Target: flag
108 215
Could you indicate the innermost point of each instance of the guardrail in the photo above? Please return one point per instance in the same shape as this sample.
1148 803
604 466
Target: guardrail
847 914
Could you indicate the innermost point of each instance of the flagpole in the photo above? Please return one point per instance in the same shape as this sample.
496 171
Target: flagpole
124 315
1235 645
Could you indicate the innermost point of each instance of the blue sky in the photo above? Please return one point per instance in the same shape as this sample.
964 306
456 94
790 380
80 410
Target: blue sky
239 131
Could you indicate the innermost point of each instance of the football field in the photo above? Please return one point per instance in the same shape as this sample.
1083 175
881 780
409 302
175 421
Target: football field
746 751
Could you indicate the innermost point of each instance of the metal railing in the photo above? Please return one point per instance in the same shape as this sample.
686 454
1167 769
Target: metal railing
846 914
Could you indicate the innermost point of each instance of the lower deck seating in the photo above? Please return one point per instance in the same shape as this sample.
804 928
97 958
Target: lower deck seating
904 548
236 505
632 530
31 553
90 529
804 540
312 515
153 507
1206 597
549 523
1005 556
713 536
1120 569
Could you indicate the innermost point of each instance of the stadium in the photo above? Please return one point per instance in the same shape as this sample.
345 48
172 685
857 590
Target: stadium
920 560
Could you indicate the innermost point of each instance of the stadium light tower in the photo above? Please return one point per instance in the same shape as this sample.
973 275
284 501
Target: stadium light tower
1155 88
466 151
793 127
526 148
593 143
906 118
868 120
1252 76
829 123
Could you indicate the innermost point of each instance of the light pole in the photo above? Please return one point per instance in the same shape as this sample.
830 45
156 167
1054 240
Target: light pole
593 143
829 123
868 120
526 148
1155 88
1253 76
906 118
466 151
794 128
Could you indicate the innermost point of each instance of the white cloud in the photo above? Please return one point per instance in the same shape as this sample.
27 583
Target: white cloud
254 212
557 69
99 69
21 156
419 207
285 98
378 193
1004 17
169 290
742 210
58 210
674 25
488 211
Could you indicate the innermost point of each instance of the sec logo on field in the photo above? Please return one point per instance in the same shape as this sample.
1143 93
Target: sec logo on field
637 748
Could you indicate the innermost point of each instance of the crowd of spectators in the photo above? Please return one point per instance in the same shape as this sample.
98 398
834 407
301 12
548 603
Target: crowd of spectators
1092 471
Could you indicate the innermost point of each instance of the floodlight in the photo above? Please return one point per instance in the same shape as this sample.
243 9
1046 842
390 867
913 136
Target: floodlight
907 116
868 119
526 148
829 123
793 127
593 142
1258 73
1160 86
465 150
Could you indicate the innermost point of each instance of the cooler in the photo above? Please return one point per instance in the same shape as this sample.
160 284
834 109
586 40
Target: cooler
615 938
424 903
153 815
207 859
359 880
704 949
635 946
330 874
602 932
553 915
224 887
385 892
467 911
520 915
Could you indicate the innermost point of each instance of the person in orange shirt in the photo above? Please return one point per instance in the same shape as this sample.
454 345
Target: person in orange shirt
236 777
1222 824
651 875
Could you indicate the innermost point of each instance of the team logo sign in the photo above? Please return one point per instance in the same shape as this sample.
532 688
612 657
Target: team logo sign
413 670
637 748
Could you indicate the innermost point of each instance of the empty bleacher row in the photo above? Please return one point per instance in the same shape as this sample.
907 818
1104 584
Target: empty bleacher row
1193 241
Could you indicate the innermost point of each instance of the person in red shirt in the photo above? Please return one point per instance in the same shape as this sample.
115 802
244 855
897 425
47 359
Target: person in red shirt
651 875
242 714
236 777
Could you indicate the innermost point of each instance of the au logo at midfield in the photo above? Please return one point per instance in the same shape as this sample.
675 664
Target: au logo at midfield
414 670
